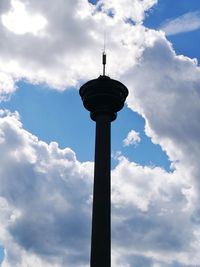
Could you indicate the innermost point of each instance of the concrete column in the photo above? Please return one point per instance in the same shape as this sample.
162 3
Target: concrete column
101 222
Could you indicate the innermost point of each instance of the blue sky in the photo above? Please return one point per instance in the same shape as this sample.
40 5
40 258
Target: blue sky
184 43
47 137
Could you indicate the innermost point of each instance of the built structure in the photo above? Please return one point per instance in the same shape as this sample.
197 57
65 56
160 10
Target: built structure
103 97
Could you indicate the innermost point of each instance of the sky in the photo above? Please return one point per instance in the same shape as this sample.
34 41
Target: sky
48 49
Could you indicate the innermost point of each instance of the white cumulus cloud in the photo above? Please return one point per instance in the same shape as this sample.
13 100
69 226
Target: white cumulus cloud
46 206
45 200
59 43
133 138
149 207
164 90
127 9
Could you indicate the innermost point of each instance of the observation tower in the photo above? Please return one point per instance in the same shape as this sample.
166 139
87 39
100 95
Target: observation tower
103 97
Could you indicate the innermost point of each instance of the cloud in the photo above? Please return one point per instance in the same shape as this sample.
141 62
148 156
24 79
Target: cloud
46 206
159 86
164 90
133 138
43 216
7 85
5 6
65 47
129 9
186 23
149 207
46 192
20 22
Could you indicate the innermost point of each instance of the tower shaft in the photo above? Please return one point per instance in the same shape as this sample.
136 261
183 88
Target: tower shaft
101 220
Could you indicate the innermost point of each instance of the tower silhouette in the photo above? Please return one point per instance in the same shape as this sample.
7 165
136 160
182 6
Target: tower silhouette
103 97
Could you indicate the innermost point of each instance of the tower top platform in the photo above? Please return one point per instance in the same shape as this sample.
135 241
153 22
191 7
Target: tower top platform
103 96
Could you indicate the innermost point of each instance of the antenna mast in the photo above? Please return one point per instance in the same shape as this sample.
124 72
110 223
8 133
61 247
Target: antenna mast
104 56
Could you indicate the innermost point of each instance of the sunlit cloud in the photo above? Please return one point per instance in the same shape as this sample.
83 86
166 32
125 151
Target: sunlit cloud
133 138
19 21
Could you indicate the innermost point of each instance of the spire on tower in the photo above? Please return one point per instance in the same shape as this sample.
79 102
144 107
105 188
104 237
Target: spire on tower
104 55
104 62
